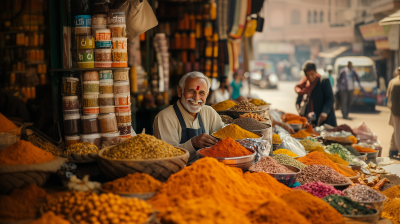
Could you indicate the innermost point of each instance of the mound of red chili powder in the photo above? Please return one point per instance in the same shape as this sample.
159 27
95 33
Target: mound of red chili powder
226 147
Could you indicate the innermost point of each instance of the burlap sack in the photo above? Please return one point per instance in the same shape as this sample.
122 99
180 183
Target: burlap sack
139 17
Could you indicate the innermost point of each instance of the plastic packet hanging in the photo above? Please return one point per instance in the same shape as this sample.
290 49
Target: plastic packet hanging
262 147
365 133
290 143
275 115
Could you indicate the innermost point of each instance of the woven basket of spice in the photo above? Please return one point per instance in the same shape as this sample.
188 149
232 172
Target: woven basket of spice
23 163
142 153
82 152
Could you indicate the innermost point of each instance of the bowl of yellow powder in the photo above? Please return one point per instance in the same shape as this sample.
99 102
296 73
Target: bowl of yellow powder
224 106
235 132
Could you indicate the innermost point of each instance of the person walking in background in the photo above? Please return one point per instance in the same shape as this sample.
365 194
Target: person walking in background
345 85
329 69
222 93
236 84
393 94
315 97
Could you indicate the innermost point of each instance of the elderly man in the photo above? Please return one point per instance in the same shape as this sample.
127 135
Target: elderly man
189 122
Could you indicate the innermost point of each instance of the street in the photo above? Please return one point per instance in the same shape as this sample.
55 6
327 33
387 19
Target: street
284 99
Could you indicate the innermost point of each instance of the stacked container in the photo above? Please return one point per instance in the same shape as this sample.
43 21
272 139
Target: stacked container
161 47
85 41
90 104
70 107
117 25
122 99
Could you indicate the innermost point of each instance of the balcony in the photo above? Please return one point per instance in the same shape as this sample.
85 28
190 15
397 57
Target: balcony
383 8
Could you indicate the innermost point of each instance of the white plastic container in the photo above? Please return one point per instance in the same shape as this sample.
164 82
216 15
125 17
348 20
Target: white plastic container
70 103
121 87
124 117
103 34
106 100
106 87
118 30
122 99
119 43
121 75
103 64
108 123
94 139
102 55
91 87
90 100
108 139
107 109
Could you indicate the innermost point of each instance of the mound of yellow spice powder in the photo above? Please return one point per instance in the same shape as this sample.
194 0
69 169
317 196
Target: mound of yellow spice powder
235 132
224 105
142 146
208 178
133 183
286 152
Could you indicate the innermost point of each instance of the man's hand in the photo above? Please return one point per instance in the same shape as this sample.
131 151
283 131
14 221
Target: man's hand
323 117
288 128
203 141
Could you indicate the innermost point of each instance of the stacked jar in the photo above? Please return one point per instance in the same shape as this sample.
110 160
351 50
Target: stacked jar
117 25
85 41
122 103
70 107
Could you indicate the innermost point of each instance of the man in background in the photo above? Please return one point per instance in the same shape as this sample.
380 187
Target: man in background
393 94
345 85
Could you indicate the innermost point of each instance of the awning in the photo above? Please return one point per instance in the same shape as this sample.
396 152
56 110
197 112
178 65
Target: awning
333 52
391 19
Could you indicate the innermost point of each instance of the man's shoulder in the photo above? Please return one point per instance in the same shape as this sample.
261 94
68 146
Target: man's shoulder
208 109
166 112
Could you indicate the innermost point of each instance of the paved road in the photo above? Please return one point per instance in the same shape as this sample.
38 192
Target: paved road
284 99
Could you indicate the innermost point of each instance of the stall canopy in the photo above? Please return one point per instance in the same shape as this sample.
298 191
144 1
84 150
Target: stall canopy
333 52
391 19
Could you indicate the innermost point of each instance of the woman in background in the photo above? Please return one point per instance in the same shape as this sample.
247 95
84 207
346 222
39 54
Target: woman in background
222 93
236 84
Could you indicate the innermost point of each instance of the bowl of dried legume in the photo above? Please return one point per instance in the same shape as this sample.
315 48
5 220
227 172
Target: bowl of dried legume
371 218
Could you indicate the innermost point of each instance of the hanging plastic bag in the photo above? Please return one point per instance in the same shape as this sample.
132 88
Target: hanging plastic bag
139 17
365 133
262 147
290 143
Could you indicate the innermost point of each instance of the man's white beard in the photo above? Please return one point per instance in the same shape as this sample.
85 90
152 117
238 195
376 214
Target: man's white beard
190 107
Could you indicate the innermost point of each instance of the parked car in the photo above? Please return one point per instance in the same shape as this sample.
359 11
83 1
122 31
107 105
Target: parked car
263 74
365 68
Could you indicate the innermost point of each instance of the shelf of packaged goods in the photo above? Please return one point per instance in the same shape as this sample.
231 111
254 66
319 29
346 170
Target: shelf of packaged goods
85 69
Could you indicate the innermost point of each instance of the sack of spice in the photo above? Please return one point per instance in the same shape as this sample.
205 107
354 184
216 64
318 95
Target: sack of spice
289 142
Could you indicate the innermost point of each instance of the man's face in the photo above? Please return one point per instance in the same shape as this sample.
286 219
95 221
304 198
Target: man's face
194 95
311 75
350 65
330 72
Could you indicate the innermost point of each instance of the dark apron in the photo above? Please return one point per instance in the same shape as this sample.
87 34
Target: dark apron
188 133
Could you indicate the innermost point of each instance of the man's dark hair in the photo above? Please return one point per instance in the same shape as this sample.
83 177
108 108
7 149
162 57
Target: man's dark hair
222 79
309 66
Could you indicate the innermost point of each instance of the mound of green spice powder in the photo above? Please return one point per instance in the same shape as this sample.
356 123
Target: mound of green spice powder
346 206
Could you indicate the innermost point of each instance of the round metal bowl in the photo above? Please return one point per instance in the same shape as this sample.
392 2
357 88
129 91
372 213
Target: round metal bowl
296 127
143 196
328 142
236 114
377 205
371 155
260 138
354 179
287 179
373 218
223 112
242 162
356 167
363 156
342 186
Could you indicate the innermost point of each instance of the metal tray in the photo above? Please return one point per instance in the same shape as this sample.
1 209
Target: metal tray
242 162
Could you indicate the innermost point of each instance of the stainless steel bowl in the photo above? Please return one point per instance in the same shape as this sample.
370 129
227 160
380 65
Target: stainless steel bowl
342 186
236 114
260 138
242 162
287 179
371 155
377 205
296 127
373 218
363 156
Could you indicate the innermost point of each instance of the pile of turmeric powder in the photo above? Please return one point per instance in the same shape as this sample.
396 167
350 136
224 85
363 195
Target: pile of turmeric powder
235 132
6 125
50 218
224 105
334 157
294 119
276 139
133 183
300 134
23 153
22 203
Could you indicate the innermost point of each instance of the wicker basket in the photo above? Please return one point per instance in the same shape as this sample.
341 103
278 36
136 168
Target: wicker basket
10 137
77 158
16 176
236 114
160 169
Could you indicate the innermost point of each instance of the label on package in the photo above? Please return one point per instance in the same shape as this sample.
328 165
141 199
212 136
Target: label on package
83 21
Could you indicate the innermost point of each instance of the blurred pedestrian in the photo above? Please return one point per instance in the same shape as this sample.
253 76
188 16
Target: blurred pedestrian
315 97
393 94
329 69
345 85
236 84
222 93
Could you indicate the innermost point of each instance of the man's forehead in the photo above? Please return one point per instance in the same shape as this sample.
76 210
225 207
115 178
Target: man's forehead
196 83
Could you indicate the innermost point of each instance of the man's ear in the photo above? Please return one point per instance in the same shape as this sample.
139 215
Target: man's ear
179 91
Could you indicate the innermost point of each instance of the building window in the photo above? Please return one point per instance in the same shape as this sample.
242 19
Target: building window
315 17
309 17
321 17
295 16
